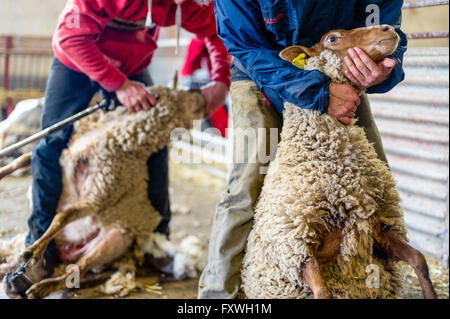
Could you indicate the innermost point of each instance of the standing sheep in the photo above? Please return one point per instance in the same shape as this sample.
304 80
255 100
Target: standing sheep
328 220
104 205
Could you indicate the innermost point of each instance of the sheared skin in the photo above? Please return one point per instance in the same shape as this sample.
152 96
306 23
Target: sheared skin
328 208
105 176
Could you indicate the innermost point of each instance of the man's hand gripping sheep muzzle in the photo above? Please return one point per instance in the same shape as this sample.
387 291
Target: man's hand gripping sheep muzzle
364 52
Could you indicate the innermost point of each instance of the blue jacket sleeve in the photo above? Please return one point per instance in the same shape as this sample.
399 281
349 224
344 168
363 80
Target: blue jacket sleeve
241 27
390 13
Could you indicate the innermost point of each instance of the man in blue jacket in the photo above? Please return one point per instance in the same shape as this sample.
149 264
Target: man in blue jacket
254 32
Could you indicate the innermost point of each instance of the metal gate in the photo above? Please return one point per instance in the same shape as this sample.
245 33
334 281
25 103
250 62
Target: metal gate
24 68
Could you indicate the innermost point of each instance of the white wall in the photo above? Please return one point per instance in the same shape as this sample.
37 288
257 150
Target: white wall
29 17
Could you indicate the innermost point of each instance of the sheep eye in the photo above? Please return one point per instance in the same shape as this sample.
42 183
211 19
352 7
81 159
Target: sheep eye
332 39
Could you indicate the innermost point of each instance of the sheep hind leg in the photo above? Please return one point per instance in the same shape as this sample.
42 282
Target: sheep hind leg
397 248
315 281
108 248
35 252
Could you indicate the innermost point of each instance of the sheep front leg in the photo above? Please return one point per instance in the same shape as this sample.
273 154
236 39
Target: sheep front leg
397 248
21 162
315 281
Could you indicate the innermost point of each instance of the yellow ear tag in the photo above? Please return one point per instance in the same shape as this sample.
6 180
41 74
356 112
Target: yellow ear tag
299 61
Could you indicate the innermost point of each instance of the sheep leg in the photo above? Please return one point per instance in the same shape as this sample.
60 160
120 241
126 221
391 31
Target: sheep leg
47 286
398 249
330 248
36 251
2 141
108 248
21 162
315 281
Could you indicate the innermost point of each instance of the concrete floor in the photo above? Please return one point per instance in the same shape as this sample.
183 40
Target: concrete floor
193 191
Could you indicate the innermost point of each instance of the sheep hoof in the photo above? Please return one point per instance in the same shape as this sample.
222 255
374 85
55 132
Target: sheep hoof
34 292
42 289
26 256
30 258
163 265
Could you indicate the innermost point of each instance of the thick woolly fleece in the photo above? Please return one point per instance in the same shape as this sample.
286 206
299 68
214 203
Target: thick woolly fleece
326 176
115 147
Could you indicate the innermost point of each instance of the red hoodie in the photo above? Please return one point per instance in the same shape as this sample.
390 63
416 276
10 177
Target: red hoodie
84 43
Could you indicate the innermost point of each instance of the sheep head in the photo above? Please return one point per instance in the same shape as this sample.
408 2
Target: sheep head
377 41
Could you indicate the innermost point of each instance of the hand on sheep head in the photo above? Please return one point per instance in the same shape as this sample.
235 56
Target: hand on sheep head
215 94
135 96
344 101
364 72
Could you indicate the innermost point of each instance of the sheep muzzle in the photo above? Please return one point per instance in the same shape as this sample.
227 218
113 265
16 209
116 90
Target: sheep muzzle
377 41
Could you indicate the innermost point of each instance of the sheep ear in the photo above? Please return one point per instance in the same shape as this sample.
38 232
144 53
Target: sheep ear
290 53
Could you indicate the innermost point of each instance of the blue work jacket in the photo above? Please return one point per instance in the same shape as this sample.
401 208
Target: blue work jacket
255 31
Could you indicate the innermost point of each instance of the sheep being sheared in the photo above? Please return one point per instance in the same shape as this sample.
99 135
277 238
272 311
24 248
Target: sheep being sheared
104 206
328 220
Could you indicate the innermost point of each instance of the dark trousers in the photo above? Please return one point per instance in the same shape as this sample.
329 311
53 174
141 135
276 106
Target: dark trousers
69 92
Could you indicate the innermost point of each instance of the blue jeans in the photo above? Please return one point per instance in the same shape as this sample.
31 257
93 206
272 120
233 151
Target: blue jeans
67 93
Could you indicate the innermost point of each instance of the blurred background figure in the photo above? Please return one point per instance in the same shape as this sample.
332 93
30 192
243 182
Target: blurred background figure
195 74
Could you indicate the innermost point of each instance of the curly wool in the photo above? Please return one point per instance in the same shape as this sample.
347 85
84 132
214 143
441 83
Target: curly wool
329 63
117 148
326 176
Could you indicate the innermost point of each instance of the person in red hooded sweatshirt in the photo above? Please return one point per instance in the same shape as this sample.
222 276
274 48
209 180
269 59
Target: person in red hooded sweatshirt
108 45
195 73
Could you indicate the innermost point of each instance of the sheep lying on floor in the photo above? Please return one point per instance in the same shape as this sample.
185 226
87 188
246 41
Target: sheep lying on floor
328 220
104 206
